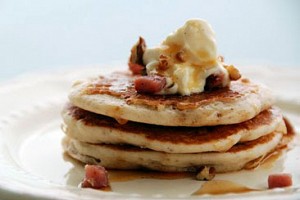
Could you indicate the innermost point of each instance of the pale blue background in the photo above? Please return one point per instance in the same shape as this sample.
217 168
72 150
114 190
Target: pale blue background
36 35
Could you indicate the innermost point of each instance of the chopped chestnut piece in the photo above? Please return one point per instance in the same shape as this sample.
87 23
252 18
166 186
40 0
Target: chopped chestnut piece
164 62
214 81
180 56
233 72
135 63
206 173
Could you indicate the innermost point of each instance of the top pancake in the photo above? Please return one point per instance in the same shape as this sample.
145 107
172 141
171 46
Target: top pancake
115 96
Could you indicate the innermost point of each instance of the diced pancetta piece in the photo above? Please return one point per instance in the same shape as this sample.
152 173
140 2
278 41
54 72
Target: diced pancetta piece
96 177
279 180
150 84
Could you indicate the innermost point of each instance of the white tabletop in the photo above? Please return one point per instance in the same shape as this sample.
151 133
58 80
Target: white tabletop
41 35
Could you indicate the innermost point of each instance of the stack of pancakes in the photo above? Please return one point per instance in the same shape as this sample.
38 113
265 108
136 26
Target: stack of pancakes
108 123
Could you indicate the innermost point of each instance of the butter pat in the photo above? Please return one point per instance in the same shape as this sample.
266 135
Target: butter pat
197 41
191 56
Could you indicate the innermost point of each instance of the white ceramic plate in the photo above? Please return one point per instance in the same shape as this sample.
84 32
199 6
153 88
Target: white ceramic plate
33 166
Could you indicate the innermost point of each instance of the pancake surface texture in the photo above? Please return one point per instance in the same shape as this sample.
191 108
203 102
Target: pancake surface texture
89 127
115 96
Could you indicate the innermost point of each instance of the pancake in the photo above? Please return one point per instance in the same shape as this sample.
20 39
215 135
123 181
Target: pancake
131 157
89 127
115 96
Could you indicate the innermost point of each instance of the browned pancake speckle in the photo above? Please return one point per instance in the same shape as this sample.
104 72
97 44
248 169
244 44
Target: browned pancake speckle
121 85
186 135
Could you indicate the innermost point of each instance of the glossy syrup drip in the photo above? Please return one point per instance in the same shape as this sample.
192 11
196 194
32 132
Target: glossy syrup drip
216 187
213 187
270 160
129 175
265 162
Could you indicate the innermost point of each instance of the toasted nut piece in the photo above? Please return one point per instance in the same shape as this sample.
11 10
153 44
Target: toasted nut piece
234 73
206 173
214 81
164 62
180 56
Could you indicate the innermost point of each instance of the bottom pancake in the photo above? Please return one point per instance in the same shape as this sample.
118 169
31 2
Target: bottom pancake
132 157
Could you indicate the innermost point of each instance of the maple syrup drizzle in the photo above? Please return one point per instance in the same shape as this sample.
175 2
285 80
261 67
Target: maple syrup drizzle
216 187
270 160
129 175
266 161
213 187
